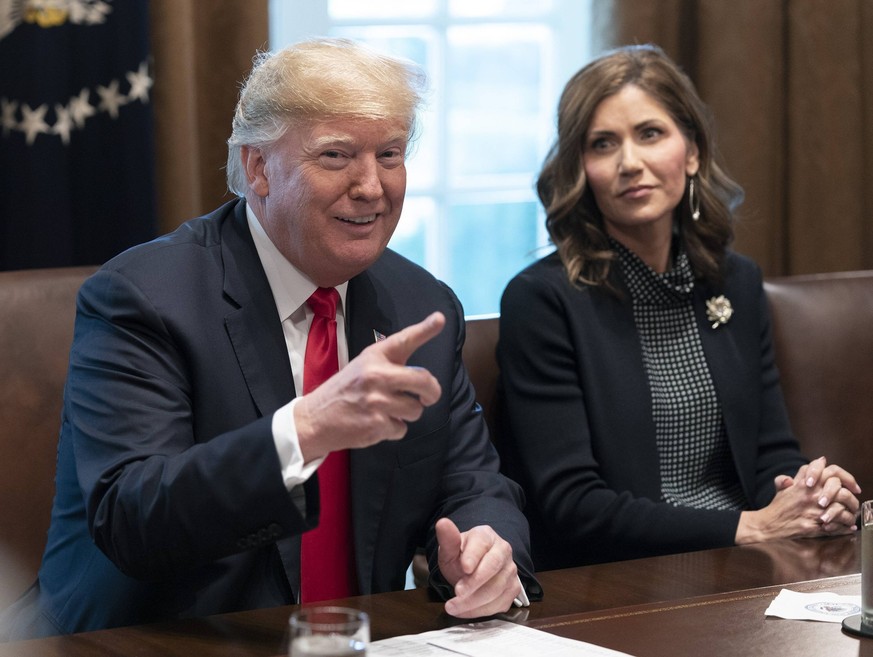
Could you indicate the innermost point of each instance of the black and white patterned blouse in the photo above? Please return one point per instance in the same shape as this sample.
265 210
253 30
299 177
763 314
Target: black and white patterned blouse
696 465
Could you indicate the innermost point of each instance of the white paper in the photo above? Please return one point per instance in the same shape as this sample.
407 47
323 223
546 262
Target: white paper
827 607
494 638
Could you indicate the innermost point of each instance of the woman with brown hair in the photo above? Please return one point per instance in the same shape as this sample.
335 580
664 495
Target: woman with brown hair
642 407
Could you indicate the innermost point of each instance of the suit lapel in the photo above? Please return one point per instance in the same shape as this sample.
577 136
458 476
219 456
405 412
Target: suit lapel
370 310
616 348
255 331
254 328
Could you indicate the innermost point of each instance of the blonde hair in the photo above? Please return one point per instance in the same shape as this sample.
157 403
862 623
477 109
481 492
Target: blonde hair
574 221
320 79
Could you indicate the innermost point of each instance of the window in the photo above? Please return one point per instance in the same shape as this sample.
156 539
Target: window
495 70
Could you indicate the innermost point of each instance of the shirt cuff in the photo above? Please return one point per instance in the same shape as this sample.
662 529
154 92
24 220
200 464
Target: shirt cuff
294 470
521 600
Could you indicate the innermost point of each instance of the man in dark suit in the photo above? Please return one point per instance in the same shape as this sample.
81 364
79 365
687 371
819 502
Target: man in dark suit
189 461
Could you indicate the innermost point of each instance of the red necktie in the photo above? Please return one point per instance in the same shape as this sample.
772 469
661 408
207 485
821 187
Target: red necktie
326 558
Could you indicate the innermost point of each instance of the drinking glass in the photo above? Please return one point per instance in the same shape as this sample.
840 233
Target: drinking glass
331 631
862 624
867 564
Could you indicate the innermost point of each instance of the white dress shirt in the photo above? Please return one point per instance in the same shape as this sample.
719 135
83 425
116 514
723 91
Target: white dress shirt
291 288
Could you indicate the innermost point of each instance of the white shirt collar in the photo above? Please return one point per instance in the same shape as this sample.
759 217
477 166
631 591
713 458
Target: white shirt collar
290 286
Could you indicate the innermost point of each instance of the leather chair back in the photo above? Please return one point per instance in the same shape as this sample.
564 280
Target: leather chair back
37 309
480 359
823 337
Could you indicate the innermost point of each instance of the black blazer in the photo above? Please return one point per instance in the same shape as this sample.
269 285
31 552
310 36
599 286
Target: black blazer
170 502
577 428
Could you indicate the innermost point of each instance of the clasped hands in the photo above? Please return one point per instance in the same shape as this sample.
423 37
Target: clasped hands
372 399
820 500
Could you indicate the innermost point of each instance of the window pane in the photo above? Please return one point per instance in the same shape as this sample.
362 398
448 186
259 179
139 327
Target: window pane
497 103
415 43
487 245
499 8
418 44
340 9
410 238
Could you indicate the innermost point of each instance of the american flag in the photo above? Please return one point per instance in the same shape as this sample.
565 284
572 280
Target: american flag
76 131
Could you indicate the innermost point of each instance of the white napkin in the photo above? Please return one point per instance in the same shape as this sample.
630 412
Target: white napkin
828 607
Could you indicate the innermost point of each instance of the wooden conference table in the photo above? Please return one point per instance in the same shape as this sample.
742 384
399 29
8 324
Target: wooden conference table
710 602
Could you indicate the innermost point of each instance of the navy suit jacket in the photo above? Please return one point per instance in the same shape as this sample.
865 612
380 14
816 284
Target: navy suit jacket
577 427
170 501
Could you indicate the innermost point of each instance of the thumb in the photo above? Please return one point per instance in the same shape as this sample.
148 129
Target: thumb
449 539
400 346
782 482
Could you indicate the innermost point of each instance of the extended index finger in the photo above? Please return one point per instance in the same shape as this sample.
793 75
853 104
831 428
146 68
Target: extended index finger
400 346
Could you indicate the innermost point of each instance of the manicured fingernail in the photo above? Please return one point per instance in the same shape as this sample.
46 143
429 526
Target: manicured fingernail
823 502
810 482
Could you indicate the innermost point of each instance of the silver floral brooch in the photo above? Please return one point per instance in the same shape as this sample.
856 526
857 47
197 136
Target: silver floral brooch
719 310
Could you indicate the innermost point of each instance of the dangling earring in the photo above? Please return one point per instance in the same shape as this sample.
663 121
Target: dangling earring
693 200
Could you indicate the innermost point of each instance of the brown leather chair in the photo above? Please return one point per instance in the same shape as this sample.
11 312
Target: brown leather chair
823 336
480 359
37 308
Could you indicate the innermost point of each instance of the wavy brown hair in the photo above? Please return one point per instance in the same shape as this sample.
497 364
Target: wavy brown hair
574 221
